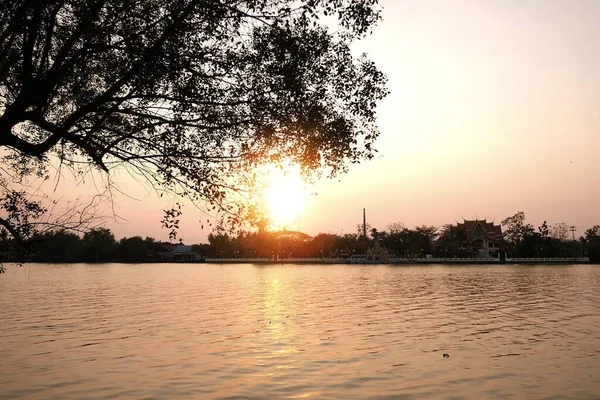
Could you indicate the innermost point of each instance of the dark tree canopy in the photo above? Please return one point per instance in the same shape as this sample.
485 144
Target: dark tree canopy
189 93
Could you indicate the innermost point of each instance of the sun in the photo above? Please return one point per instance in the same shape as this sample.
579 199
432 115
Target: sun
285 197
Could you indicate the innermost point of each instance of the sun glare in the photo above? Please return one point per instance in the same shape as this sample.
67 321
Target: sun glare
284 199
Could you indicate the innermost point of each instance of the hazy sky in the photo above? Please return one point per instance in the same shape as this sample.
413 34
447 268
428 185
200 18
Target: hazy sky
494 108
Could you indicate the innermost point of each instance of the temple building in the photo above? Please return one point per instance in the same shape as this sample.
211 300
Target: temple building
482 236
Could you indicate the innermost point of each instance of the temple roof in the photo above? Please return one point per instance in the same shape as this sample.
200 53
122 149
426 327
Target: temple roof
493 232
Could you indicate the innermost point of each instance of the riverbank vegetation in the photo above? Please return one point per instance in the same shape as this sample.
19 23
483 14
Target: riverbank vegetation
521 239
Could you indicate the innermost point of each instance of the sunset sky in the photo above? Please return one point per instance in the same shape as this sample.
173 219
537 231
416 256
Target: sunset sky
494 108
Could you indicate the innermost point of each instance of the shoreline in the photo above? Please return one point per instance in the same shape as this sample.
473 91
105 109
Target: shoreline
407 261
577 261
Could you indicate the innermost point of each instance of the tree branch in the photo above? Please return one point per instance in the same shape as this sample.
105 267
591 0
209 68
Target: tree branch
126 77
15 234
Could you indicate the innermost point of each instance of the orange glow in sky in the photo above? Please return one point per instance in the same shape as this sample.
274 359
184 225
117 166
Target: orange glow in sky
494 108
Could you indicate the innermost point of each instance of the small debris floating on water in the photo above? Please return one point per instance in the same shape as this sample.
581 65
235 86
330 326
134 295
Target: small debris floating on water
446 355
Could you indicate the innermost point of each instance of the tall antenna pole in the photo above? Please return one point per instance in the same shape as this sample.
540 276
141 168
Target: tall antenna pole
364 222
572 229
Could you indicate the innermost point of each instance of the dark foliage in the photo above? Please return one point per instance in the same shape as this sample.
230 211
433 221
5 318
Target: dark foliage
191 94
522 239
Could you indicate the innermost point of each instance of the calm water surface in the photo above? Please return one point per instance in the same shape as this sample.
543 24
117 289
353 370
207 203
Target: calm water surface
285 331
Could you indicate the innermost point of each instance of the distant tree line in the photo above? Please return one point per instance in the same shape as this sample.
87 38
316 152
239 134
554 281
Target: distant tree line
95 246
521 239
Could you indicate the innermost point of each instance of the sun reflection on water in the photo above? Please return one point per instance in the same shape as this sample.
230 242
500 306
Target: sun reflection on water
274 309
280 338
284 331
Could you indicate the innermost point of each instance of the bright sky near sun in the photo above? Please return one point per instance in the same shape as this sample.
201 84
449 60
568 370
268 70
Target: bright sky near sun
494 108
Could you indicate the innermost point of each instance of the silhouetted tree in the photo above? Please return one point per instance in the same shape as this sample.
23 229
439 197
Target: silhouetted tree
396 227
549 241
322 245
592 232
560 231
133 249
99 245
221 245
190 94
531 245
57 247
378 235
452 242
346 244
591 243
423 239
515 230
201 249
396 240
360 229
544 230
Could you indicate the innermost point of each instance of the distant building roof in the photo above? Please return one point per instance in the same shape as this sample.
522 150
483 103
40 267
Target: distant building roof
180 252
493 232
182 248
162 246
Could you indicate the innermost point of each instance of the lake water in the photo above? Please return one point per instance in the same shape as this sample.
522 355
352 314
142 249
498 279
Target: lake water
313 331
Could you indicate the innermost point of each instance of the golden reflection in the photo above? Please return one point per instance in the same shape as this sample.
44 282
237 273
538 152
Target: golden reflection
274 308
280 335
302 396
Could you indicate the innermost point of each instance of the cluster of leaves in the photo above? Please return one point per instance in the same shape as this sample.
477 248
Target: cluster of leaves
170 220
190 94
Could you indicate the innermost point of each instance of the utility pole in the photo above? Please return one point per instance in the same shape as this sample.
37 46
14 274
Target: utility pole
572 229
364 222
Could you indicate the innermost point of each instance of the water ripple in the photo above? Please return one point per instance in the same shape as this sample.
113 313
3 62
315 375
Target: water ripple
300 332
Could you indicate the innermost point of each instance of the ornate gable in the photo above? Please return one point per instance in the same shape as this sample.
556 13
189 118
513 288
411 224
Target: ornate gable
479 229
